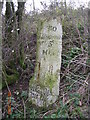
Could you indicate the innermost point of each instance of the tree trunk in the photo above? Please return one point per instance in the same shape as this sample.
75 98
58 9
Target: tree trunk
65 7
9 19
33 5
19 14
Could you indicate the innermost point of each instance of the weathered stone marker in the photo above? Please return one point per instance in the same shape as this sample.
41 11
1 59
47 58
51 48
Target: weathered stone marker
44 86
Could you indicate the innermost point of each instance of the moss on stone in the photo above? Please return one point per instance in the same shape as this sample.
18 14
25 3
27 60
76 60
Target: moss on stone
36 83
50 80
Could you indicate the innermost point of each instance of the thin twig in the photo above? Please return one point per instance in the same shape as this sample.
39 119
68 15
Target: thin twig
49 112
18 110
6 82
24 108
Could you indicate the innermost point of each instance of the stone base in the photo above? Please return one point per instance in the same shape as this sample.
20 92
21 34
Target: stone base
41 97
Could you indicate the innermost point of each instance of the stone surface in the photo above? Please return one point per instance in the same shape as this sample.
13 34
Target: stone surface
44 86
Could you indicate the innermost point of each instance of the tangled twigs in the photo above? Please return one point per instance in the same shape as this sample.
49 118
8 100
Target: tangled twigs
82 88
49 112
